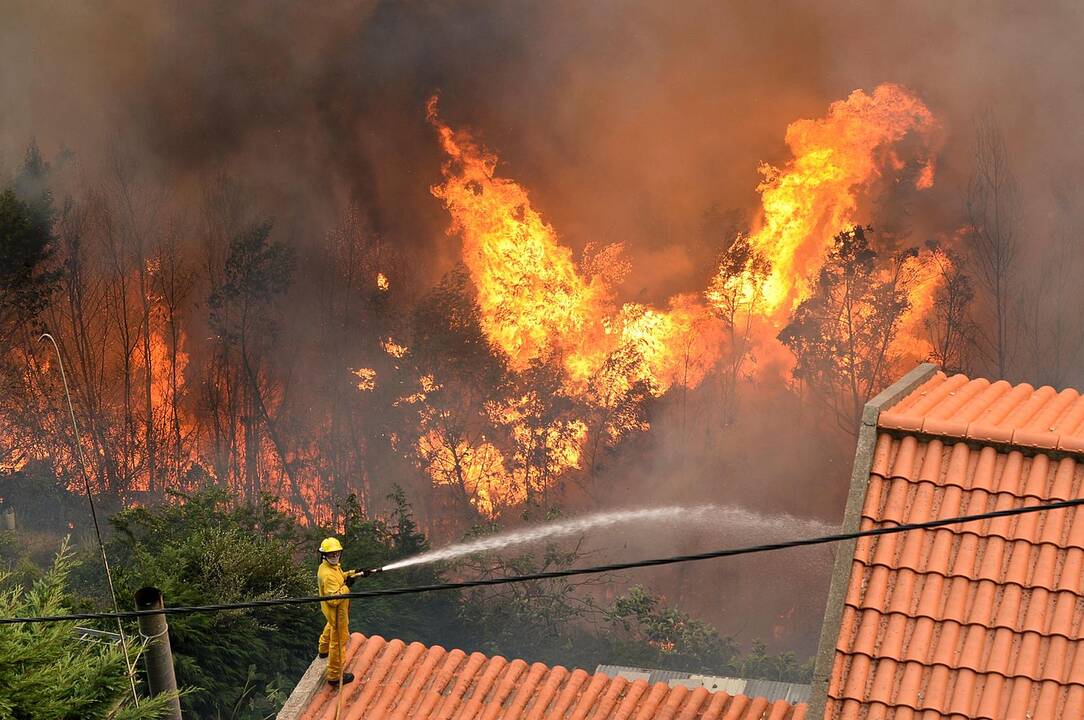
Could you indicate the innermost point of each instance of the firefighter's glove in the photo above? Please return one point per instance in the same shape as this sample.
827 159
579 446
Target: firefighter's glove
349 580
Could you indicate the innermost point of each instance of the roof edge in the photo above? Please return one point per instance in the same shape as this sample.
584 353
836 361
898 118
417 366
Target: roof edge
896 391
310 684
856 498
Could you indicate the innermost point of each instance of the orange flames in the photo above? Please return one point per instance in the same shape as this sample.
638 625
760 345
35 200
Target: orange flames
535 302
837 160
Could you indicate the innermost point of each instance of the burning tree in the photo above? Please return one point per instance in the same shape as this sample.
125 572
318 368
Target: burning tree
736 295
464 375
949 326
27 282
256 273
842 335
522 372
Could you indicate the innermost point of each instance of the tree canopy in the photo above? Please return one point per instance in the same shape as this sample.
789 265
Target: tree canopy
45 673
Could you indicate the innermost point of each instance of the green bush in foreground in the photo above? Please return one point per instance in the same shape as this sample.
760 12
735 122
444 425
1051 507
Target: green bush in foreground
45 674
205 549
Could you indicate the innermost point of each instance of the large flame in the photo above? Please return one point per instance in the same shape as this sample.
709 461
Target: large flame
836 161
535 302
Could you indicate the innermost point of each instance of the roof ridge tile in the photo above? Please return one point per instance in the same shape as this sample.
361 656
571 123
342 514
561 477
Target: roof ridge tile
588 697
569 693
1046 419
921 391
370 686
982 400
526 689
1024 412
609 699
930 394
482 689
466 675
500 695
696 702
670 705
633 692
653 700
736 708
715 709
548 693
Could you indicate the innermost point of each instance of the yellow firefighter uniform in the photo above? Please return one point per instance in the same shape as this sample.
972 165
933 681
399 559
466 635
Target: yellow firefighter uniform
332 581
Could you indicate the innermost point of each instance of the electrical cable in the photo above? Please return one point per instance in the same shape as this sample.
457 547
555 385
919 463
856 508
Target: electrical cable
552 574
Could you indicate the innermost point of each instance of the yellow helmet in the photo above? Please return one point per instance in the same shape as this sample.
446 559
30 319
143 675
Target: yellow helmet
330 545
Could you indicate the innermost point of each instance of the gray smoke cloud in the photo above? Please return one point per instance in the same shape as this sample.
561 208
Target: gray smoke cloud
632 121
626 120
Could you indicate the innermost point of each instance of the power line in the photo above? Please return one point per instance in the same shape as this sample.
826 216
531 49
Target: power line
552 574
94 514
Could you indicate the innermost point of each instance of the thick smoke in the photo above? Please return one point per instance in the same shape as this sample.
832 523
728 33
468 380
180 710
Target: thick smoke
627 120
635 122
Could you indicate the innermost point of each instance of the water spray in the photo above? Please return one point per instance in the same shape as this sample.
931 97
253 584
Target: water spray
702 516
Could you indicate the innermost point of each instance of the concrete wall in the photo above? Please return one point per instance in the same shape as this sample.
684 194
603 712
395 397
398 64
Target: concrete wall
311 683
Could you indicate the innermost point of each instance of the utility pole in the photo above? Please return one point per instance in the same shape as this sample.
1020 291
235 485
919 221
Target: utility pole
155 632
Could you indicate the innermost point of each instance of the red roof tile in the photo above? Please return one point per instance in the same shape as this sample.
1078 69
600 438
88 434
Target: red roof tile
981 620
395 681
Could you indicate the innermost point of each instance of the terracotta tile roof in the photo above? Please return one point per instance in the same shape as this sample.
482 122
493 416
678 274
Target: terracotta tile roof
397 681
976 621
992 412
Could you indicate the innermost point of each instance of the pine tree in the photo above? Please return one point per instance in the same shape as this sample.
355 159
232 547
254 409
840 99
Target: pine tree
45 674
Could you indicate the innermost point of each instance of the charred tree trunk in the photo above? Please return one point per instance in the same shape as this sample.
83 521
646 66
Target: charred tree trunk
148 384
272 433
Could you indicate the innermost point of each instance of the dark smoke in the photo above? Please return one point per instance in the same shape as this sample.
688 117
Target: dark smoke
627 121
640 122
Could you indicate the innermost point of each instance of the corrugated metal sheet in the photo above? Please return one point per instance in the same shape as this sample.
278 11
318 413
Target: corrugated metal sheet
768 689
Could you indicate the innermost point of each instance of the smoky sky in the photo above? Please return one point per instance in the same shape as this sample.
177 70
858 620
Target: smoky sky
634 121
626 120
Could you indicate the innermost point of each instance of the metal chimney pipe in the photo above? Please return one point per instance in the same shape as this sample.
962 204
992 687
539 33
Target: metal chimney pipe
159 657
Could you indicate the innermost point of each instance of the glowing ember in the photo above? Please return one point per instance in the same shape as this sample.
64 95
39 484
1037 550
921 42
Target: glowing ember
382 282
366 379
393 348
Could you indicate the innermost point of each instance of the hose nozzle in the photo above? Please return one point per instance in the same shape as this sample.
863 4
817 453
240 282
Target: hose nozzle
373 571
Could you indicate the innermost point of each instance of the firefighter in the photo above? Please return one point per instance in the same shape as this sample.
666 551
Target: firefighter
332 580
